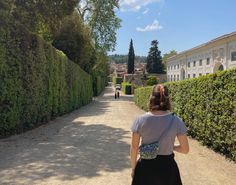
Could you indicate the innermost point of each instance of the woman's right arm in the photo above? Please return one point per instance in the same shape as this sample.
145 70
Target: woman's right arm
183 146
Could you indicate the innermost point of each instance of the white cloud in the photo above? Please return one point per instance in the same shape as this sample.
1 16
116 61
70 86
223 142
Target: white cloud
136 5
154 26
146 11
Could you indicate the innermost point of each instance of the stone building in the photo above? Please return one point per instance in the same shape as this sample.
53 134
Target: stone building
217 54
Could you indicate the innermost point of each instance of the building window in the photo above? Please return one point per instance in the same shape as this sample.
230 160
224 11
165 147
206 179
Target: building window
188 75
194 63
178 66
171 78
171 67
188 64
200 74
174 77
194 75
177 77
208 61
233 56
174 66
200 62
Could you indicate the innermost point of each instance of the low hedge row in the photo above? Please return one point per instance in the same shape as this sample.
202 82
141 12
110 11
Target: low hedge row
37 82
208 106
126 87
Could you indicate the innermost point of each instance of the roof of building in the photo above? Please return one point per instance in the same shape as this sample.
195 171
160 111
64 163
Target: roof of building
205 44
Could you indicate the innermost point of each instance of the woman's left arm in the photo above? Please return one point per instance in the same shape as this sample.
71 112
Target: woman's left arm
134 150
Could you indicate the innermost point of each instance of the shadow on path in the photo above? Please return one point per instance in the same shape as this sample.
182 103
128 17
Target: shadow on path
66 149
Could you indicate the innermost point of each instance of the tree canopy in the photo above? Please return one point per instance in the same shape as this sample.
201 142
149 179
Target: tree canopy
168 55
85 30
102 20
154 59
131 57
43 17
75 41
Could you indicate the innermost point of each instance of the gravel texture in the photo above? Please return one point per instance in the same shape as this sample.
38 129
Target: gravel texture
90 146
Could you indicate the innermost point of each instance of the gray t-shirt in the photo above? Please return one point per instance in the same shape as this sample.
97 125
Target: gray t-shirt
150 127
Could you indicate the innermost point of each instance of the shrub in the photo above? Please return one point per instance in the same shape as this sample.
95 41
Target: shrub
207 105
152 80
38 82
127 88
141 97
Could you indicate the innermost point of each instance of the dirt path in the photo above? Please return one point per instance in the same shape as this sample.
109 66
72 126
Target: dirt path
91 147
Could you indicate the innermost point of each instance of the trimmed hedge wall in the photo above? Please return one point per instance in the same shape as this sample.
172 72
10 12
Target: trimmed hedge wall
37 82
141 97
99 84
126 87
117 80
208 106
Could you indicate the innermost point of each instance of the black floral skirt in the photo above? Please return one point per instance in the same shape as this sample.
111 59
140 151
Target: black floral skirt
162 170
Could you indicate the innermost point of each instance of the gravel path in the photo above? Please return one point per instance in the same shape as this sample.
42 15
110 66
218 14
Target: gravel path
90 146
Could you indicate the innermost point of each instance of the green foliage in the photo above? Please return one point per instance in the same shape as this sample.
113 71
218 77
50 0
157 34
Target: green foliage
141 97
99 73
131 57
42 17
122 59
154 59
126 87
103 22
168 55
208 106
99 83
37 81
152 80
117 80
74 40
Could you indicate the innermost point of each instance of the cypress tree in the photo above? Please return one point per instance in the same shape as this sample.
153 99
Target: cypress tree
154 59
131 57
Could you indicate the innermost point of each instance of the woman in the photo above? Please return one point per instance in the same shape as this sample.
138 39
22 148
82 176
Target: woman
161 126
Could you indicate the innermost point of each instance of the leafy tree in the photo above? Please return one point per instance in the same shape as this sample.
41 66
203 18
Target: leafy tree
168 55
42 17
154 59
75 41
102 20
131 57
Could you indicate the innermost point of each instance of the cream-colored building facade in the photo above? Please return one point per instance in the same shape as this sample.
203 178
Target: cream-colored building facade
217 54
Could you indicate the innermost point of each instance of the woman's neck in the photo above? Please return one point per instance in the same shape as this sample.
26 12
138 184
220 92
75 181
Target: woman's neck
159 112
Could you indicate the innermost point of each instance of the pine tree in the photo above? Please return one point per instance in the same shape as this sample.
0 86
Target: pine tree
154 59
131 57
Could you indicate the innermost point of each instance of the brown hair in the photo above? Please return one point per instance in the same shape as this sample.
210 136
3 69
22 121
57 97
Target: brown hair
159 98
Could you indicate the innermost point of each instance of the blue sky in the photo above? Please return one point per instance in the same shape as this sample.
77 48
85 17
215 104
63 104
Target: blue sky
176 24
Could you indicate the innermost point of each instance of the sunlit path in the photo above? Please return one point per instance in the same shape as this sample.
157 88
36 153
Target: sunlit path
91 147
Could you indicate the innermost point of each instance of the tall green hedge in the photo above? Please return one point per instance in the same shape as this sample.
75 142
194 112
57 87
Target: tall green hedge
37 82
208 106
141 97
99 83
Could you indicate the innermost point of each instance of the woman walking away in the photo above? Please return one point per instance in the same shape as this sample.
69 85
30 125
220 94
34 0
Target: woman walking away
157 129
